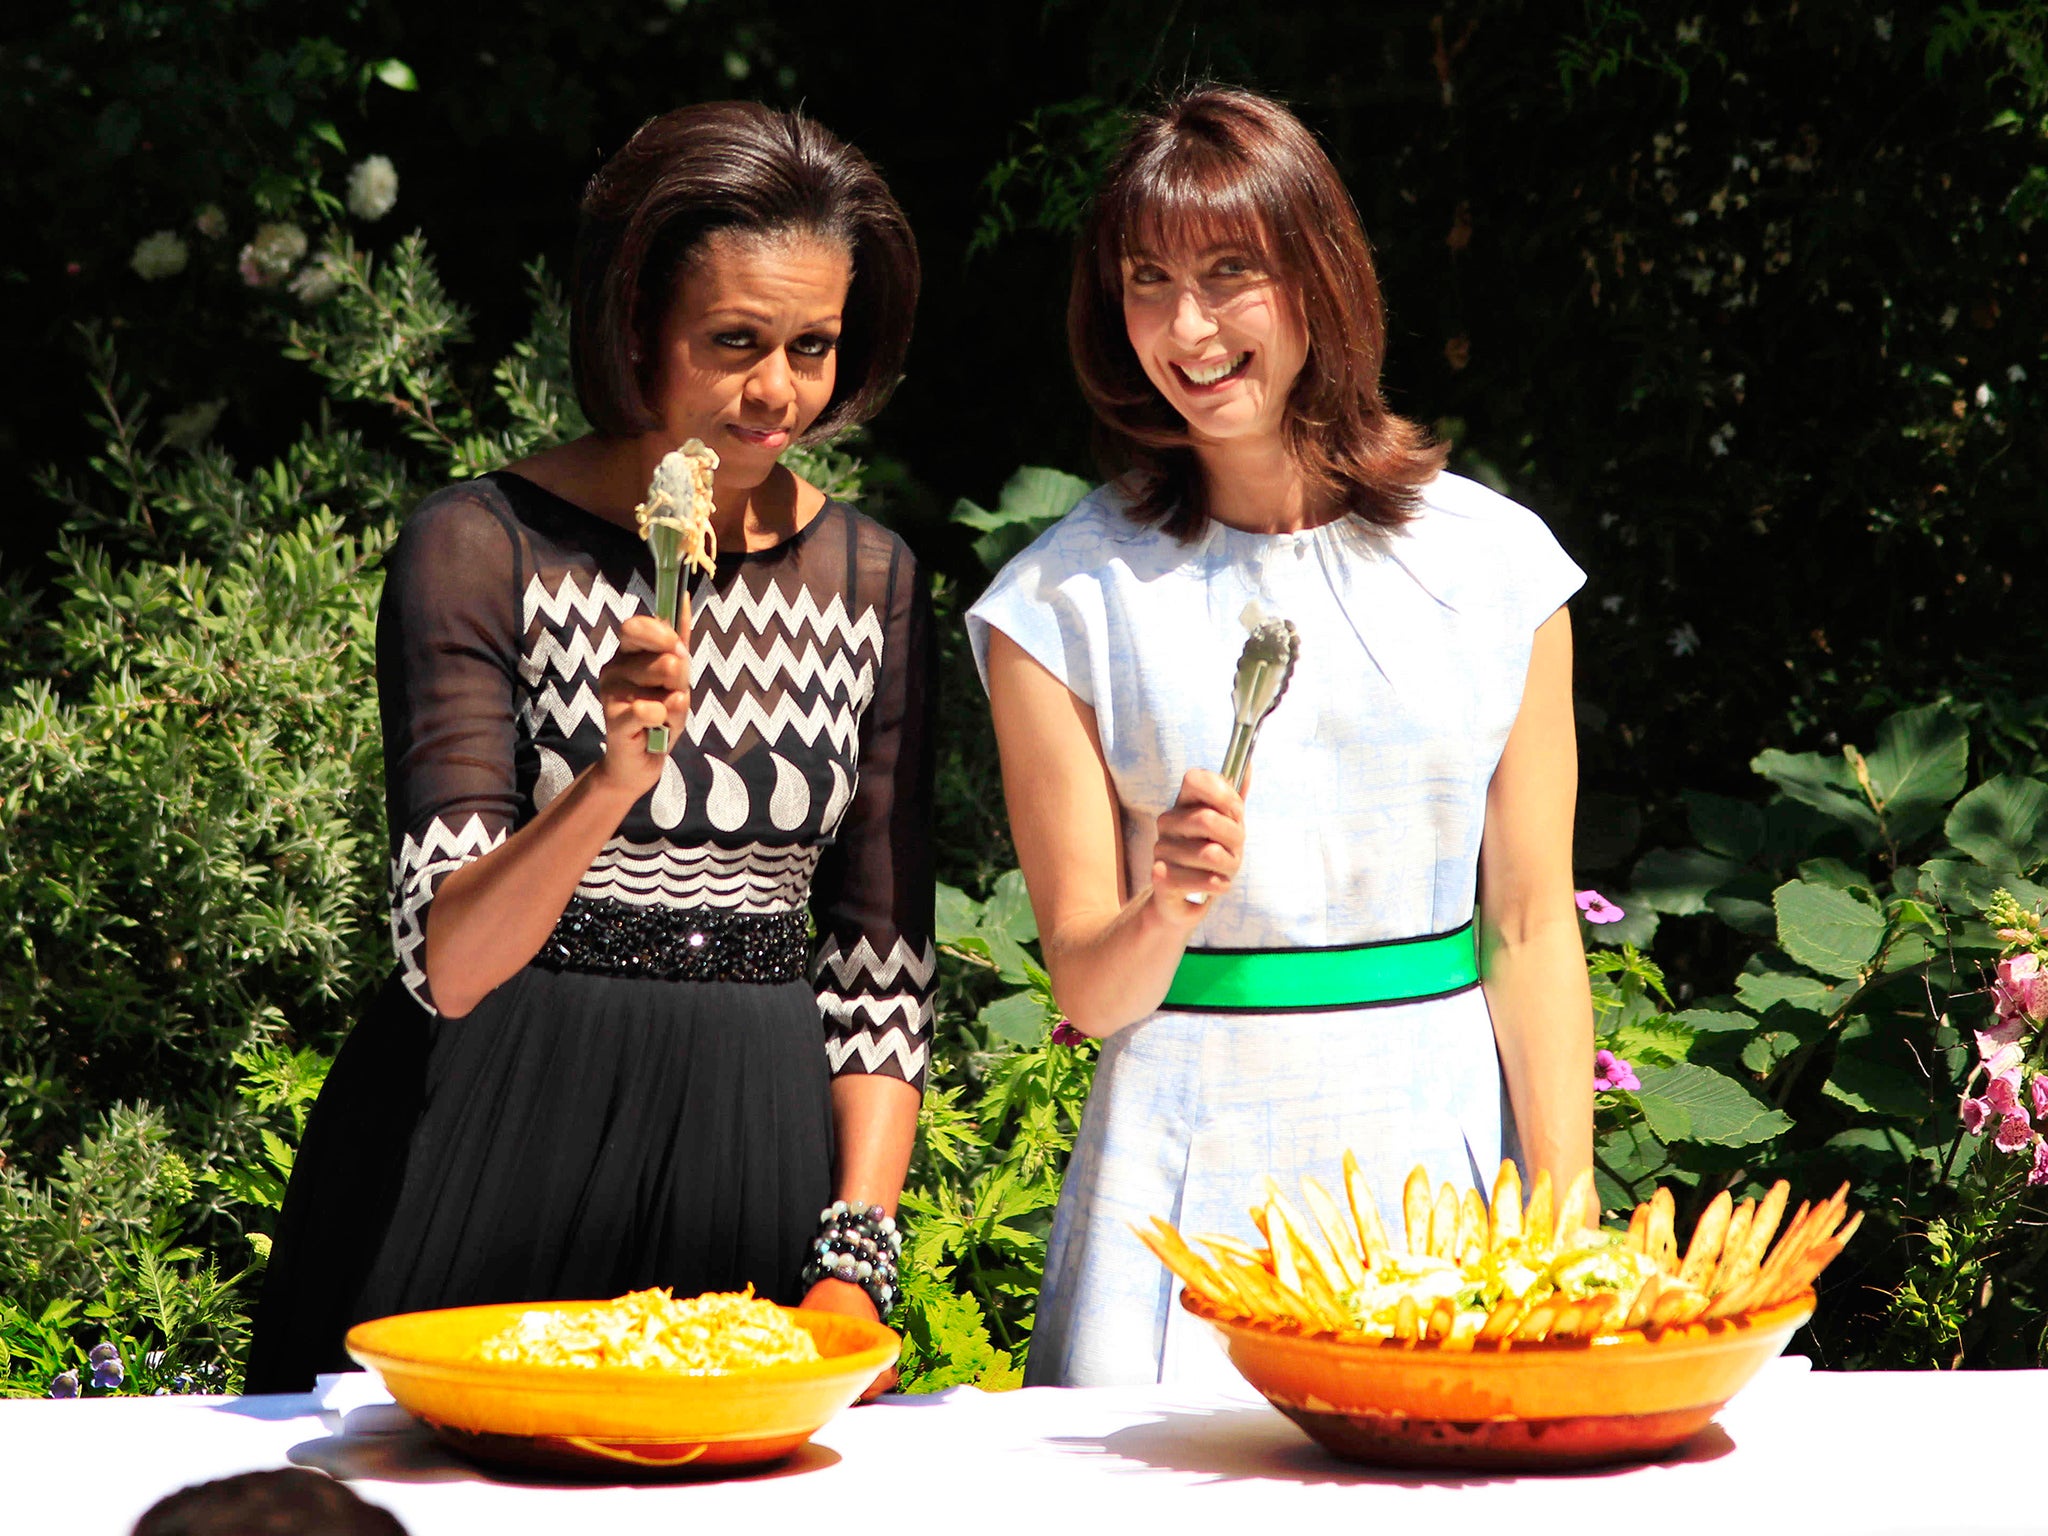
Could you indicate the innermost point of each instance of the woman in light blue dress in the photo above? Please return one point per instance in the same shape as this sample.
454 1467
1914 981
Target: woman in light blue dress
1374 947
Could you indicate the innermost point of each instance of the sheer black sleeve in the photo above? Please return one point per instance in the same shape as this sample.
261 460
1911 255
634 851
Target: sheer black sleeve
875 966
447 674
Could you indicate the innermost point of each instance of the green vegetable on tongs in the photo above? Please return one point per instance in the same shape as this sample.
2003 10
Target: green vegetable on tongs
1263 669
675 520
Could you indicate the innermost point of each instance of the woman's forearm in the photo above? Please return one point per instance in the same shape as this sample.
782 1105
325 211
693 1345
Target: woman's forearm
1109 972
875 1121
1542 1007
491 916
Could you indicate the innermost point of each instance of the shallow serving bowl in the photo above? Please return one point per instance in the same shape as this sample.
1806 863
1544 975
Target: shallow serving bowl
1536 1406
614 1418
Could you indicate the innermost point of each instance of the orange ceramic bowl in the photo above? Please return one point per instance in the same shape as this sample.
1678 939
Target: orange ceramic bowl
614 1419
1534 1406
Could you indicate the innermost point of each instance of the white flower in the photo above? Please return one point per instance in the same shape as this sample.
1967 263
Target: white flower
1612 602
188 428
1717 444
1948 317
269 258
1983 394
2015 374
372 188
1882 25
318 280
1683 640
162 254
210 221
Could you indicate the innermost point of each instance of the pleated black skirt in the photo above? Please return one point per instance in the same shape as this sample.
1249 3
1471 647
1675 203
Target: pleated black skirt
574 1137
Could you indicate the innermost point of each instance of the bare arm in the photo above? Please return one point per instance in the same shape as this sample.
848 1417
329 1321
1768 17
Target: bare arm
491 916
1111 956
1532 963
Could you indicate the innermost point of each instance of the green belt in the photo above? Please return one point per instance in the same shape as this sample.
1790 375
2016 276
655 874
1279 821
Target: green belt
1319 980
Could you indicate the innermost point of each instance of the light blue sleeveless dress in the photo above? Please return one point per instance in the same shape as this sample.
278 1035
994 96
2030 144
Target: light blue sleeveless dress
1362 823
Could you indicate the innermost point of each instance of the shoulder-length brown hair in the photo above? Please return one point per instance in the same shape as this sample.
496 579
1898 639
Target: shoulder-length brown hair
1219 163
737 166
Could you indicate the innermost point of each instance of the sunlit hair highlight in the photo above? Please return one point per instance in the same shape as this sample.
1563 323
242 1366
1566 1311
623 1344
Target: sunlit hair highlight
1216 166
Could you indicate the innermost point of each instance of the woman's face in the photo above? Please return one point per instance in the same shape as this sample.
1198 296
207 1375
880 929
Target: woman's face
1217 336
749 349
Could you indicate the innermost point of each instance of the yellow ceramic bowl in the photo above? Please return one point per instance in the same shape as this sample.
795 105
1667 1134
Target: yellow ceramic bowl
1535 1406
612 1418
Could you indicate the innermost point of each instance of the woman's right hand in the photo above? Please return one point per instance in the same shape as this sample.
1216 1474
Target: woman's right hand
645 685
1199 848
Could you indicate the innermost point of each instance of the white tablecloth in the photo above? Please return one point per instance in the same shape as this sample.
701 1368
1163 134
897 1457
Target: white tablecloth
1799 1451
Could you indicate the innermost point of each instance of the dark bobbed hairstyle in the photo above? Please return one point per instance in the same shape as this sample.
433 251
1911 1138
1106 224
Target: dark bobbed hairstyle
739 167
1217 165
279 1501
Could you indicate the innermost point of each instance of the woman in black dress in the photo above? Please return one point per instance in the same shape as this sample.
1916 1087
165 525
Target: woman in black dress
614 1053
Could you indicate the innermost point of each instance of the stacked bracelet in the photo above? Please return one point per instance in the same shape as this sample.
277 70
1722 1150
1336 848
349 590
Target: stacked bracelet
859 1244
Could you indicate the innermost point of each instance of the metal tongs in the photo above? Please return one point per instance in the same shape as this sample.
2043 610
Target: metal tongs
1263 670
675 520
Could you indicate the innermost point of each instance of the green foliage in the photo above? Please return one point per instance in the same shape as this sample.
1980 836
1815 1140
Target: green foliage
1846 1045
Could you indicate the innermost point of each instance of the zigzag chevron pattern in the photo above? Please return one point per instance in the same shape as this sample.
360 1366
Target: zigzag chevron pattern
838 724
845 1010
909 1056
569 598
864 966
566 661
781 662
769 606
753 878
566 714
422 864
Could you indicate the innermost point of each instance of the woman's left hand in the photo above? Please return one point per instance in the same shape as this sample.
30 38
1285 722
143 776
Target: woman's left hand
850 1301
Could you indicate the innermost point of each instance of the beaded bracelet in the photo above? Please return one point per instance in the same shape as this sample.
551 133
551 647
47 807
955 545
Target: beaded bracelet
859 1244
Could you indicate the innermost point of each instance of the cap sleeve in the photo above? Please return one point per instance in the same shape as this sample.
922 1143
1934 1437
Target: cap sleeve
875 967
1541 577
1048 600
447 655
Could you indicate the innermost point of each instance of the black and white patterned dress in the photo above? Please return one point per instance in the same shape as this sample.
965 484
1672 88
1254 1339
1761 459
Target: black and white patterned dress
647 1102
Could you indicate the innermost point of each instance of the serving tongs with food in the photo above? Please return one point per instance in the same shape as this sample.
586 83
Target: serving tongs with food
675 520
1264 667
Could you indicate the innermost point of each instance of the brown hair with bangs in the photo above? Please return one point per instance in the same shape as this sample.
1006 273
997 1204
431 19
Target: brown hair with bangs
746 169
1217 161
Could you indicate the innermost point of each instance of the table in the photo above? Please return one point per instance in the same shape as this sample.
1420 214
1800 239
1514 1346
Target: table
1799 1451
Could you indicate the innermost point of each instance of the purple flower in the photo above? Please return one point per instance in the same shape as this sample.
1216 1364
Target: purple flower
2013 1133
1975 1113
1064 1033
1597 908
2038 1174
64 1384
1610 1072
107 1371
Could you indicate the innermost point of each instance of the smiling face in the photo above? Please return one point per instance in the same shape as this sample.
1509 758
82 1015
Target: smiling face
1217 335
748 350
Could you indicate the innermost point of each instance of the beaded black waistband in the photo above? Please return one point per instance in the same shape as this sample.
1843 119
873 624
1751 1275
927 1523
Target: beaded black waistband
616 938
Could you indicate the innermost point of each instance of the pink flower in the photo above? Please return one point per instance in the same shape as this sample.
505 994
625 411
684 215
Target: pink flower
2000 1035
2037 1090
1975 1112
2013 1133
2038 1174
1064 1033
1597 908
2022 987
2002 1093
1611 1072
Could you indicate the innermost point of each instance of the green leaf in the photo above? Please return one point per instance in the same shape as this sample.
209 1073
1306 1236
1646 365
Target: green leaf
1677 880
956 915
1018 1019
1033 499
328 134
1825 929
1009 908
1732 828
1765 990
1918 766
1689 1102
397 74
1762 1052
1968 888
1659 1039
1873 1088
1832 871
1825 784
1999 822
